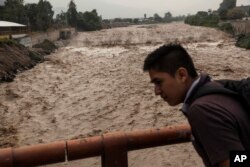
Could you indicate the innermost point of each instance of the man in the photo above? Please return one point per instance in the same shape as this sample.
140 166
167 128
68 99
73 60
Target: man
219 123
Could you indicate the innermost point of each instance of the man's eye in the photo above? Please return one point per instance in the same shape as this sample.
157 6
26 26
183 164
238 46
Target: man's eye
158 82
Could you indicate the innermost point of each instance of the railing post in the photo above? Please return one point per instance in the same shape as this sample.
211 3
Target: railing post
6 157
115 152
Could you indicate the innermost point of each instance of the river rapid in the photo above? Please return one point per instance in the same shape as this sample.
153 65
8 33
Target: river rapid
96 85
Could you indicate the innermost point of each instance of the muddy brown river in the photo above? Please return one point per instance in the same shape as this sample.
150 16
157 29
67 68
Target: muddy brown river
96 85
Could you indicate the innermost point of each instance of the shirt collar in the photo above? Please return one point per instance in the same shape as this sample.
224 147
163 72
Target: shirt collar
194 84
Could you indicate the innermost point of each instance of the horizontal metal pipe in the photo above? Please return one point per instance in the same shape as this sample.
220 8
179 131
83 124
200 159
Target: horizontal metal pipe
84 148
158 137
39 154
93 146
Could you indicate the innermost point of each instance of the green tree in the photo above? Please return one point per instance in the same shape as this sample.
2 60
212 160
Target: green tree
31 13
135 20
223 14
117 19
235 13
168 17
14 11
44 15
202 14
89 21
2 12
129 20
72 14
157 18
61 19
227 4
224 7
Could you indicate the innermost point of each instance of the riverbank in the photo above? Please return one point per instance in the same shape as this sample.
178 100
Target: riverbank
96 85
15 58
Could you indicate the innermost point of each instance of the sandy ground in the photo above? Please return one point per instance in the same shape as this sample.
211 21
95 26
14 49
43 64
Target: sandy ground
96 85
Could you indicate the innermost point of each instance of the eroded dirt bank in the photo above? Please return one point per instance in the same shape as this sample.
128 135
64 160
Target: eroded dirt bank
96 85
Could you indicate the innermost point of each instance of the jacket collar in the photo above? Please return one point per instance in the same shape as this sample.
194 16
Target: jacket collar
202 80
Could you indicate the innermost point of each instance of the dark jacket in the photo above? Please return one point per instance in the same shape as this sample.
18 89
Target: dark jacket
219 124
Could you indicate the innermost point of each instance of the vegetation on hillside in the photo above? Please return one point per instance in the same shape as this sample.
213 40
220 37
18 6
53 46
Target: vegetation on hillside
39 16
227 27
203 18
243 41
224 7
221 19
226 11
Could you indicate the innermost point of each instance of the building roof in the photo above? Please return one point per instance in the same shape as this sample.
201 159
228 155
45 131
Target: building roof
10 24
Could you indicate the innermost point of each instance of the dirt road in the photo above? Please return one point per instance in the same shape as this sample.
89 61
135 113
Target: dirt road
96 85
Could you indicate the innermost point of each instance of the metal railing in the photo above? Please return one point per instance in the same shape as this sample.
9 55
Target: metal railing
112 147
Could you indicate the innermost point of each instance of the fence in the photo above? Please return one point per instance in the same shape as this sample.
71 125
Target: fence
112 147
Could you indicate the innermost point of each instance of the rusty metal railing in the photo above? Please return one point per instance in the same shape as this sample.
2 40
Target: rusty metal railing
112 147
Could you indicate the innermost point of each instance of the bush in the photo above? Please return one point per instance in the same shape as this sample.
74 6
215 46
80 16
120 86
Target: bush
243 41
47 46
202 19
227 27
7 41
89 21
36 57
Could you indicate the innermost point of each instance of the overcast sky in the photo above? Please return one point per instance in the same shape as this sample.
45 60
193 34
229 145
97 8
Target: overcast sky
137 8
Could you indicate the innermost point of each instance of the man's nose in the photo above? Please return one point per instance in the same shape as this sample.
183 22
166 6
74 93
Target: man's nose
157 90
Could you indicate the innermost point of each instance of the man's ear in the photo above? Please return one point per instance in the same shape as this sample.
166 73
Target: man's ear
181 74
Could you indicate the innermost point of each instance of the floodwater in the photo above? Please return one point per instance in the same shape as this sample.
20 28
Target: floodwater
96 85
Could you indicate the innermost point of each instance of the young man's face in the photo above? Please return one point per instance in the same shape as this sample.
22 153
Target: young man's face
171 89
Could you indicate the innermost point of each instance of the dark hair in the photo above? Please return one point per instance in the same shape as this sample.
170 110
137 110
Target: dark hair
168 58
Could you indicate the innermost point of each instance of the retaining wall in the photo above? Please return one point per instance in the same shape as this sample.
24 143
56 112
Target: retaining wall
50 35
241 27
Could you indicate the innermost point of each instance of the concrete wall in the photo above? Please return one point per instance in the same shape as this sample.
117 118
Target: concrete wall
26 41
50 35
241 27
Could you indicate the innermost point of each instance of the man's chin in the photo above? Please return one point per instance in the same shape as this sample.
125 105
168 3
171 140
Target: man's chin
172 103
